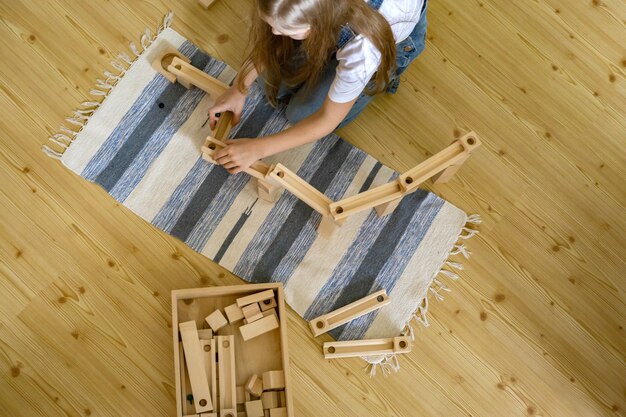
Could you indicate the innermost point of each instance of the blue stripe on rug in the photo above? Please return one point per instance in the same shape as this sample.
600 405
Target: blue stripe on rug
129 122
425 209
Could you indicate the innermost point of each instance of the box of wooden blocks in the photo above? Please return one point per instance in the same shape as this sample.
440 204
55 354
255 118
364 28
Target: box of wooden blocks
230 351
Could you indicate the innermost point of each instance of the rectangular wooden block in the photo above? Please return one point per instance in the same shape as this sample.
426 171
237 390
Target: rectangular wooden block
255 298
226 371
234 313
195 366
254 409
270 399
210 366
278 412
336 318
273 380
252 312
267 304
216 320
259 327
254 386
368 347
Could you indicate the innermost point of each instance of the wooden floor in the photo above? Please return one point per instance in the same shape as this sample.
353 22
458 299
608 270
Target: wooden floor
534 327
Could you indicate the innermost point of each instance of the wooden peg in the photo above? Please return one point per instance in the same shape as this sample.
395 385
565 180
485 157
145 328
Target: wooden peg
252 312
254 408
268 304
195 366
188 75
336 318
255 298
301 189
273 380
216 320
254 385
258 327
226 371
234 313
210 366
357 348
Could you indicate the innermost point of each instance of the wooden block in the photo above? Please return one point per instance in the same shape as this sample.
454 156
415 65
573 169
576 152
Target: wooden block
310 195
254 386
234 313
252 312
268 304
195 366
270 399
205 415
358 348
266 413
387 208
255 298
336 318
241 414
270 312
229 412
273 380
216 320
278 412
249 396
210 366
254 409
259 327
206 3
241 394
205 334
226 371
268 191
283 399
328 226
183 378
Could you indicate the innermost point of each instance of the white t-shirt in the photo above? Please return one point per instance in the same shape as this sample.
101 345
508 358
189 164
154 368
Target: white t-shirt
359 59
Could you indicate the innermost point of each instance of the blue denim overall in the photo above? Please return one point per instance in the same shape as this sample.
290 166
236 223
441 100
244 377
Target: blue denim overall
303 105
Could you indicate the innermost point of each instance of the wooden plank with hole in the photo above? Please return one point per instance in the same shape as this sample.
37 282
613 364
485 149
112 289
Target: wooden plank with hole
259 327
255 298
210 366
188 75
226 371
164 59
366 200
258 170
223 126
195 366
310 195
358 308
358 348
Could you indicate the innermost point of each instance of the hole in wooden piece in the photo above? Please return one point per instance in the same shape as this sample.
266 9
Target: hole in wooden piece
178 66
402 344
266 302
207 348
320 324
339 210
212 146
281 174
226 343
408 180
471 141
380 298
331 349
202 402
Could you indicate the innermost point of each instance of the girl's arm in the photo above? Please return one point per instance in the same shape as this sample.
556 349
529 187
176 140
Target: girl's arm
241 153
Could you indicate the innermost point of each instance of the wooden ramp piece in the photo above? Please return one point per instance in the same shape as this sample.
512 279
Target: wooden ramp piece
336 318
210 366
188 75
358 348
301 189
195 366
227 375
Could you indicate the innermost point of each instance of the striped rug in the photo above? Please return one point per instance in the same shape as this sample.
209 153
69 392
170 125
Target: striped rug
142 145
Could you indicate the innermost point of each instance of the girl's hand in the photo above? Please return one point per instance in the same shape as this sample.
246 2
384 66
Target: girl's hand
239 154
232 100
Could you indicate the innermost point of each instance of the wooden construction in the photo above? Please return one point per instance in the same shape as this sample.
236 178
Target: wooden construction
227 376
358 348
254 385
273 380
358 308
256 356
258 327
255 298
164 60
216 320
195 366
209 351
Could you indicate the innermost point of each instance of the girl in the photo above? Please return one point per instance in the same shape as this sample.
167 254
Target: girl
328 58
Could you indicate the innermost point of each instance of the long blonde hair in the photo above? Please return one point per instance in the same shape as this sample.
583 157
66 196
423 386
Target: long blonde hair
283 59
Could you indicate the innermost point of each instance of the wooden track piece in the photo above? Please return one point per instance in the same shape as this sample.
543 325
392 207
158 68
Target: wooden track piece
259 327
223 126
164 59
358 348
310 195
273 380
254 385
226 371
254 409
210 366
258 170
336 318
216 320
188 75
255 298
233 313
195 366
366 200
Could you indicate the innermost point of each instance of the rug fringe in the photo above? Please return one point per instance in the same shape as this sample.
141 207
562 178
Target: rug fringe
436 287
63 139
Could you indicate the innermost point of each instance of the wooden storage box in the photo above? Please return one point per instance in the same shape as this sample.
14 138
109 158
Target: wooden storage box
263 353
